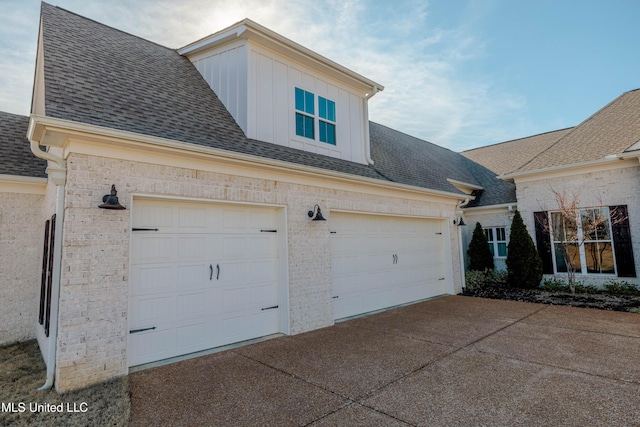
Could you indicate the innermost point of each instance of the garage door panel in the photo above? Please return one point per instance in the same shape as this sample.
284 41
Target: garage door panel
202 279
192 248
152 279
150 309
155 249
192 216
191 337
190 305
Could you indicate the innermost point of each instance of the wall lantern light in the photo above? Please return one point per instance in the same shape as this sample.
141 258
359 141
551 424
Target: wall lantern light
110 201
315 214
459 222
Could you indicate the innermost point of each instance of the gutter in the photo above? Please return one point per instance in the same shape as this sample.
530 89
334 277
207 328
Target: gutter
367 137
58 175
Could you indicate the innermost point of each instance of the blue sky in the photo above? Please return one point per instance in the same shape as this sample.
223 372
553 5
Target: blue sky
458 73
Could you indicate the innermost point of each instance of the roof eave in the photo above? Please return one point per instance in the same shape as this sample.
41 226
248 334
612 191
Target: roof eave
51 131
612 158
250 30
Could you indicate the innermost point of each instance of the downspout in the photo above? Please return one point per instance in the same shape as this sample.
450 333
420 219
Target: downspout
367 141
58 175
462 204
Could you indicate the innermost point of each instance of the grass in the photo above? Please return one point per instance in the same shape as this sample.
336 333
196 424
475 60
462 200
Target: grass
22 371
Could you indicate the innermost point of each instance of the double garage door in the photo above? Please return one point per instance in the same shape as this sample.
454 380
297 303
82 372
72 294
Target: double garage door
202 276
207 275
383 261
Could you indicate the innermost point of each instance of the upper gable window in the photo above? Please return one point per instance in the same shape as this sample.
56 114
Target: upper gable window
327 121
306 117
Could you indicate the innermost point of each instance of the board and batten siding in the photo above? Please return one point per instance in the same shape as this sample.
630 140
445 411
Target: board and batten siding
257 86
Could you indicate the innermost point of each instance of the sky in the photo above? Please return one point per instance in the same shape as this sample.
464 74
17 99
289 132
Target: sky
458 73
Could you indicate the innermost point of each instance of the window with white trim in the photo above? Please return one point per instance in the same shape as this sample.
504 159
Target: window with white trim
497 239
306 117
587 239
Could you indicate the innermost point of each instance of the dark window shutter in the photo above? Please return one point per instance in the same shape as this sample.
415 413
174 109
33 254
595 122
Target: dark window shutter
543 241
625 263
43 278
52 237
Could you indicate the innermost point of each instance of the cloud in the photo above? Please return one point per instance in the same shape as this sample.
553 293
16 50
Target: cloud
430 91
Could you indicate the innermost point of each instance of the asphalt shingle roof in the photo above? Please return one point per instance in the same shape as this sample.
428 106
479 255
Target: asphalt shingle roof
98 75
16 157
509 156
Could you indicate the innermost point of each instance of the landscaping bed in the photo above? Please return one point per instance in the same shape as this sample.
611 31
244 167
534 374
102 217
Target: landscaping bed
598 301
615 296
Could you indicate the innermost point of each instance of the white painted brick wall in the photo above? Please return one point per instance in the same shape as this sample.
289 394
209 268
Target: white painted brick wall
94 294
21 236
614 187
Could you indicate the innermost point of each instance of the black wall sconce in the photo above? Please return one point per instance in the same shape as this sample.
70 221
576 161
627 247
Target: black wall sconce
459 222
316 214
110 201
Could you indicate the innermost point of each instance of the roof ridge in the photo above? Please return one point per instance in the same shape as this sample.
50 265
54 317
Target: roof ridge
108 26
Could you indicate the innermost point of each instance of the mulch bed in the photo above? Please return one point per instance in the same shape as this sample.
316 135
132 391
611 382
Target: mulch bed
598 301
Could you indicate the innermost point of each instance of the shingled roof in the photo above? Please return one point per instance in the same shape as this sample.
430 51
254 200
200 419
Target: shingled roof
102 76
611 130
509 156
16 157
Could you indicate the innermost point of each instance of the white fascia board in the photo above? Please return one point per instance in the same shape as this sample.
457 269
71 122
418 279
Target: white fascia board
554 171
485 209
464 186
22 184
252 31
45 125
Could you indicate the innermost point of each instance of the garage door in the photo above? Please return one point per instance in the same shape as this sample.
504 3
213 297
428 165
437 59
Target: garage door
380 262
202 276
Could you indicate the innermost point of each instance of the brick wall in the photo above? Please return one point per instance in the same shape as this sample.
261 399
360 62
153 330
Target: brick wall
619 186
94 294
21 236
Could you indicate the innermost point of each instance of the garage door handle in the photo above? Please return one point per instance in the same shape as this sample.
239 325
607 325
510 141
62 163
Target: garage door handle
218 273
210 271
269 308
135 331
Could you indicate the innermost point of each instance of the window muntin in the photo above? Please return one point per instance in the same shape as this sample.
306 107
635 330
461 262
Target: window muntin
497 239
305 117
592 228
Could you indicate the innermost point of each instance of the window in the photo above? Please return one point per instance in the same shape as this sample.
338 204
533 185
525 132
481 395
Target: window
584 240
497 239
306 116
305 113
327 122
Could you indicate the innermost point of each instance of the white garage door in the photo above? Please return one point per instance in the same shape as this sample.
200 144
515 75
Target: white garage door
202 276
380 262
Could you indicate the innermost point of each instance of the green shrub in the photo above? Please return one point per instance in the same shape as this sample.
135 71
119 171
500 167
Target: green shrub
615 287
552 284
523 262
475 280
480 257
581 288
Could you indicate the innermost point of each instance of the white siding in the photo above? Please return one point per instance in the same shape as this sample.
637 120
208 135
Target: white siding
257 86
225 70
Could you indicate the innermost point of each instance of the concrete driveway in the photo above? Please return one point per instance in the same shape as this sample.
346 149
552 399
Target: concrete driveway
451 361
